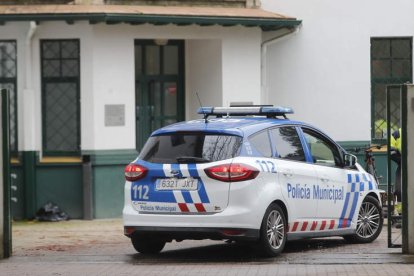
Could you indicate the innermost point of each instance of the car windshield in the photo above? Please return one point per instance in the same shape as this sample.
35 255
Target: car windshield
190 148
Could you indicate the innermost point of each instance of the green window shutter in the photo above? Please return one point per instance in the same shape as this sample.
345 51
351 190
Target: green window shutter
60 97
391 63
8 80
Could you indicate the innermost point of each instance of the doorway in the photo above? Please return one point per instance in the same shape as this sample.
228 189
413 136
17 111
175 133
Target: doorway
159 85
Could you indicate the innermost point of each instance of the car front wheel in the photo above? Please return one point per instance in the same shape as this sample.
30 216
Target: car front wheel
147 245
369 223
273 232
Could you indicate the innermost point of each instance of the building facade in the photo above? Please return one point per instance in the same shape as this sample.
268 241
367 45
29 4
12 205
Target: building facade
90 80
335 71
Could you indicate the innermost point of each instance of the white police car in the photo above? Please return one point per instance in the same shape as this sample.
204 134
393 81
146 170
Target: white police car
249 174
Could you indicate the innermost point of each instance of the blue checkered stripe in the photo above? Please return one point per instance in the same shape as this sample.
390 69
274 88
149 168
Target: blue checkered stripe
357 182
170 196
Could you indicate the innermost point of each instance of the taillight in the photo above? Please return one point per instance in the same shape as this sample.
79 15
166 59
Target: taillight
232 172
134 172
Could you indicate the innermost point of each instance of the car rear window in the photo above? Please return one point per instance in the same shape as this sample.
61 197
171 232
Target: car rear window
190 148
261 143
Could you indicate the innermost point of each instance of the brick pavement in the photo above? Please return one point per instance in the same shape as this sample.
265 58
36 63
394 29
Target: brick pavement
99 248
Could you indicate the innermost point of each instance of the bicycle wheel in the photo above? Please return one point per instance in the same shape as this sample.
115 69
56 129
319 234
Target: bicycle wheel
370 168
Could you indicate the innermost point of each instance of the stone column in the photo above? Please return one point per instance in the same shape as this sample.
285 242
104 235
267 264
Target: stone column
407 117
2 247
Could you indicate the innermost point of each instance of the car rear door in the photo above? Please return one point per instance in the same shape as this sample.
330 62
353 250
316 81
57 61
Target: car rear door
296 177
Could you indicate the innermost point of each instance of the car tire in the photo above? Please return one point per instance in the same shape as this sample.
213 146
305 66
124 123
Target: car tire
147 245
369 222
273 231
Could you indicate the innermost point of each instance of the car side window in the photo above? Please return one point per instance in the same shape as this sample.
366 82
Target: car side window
322 150
260 141
287 143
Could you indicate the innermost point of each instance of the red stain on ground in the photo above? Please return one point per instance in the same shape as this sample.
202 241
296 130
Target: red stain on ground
56 247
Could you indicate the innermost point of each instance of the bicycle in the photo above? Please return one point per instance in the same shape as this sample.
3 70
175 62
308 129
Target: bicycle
370 160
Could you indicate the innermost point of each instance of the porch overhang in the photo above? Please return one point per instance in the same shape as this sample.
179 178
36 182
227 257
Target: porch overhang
156 15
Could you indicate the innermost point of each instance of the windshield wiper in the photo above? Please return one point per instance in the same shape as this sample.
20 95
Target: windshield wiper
192 159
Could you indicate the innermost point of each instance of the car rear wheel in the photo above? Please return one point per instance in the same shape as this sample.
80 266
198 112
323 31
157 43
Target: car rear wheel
369 223
147 245
273 232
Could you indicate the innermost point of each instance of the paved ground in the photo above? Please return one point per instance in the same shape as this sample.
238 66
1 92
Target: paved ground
99 248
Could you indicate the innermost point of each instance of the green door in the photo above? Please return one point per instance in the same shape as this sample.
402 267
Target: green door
159 85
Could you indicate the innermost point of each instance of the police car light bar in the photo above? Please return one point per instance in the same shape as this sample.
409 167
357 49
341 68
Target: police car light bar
269 111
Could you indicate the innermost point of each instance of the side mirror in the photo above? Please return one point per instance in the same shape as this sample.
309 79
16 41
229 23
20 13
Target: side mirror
350 160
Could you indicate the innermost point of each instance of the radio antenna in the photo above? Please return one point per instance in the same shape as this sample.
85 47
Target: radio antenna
201 106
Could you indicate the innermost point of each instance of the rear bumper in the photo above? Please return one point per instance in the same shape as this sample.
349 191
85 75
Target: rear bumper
193 233
231 218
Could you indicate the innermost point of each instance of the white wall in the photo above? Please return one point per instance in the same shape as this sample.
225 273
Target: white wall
203 75
323 72
113 83
223 65
241 67
225 70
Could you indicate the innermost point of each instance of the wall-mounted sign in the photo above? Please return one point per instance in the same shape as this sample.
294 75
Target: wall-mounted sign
114 115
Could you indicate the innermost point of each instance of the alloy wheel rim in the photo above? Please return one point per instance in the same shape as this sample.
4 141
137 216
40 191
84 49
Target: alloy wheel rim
368 220
275 229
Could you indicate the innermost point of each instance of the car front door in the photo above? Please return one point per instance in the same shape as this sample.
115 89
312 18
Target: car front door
336 196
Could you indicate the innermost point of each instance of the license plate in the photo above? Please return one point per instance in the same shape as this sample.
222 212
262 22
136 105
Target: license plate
188 184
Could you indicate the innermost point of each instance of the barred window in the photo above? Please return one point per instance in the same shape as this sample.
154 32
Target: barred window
391 63
8 80
60 96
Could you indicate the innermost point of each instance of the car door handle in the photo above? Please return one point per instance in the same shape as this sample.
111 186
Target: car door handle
287 173
325 180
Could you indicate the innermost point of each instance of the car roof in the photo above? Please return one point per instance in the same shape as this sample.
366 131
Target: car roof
240 126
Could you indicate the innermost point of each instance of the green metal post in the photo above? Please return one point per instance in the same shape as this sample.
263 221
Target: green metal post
404 173
389 188
7 246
